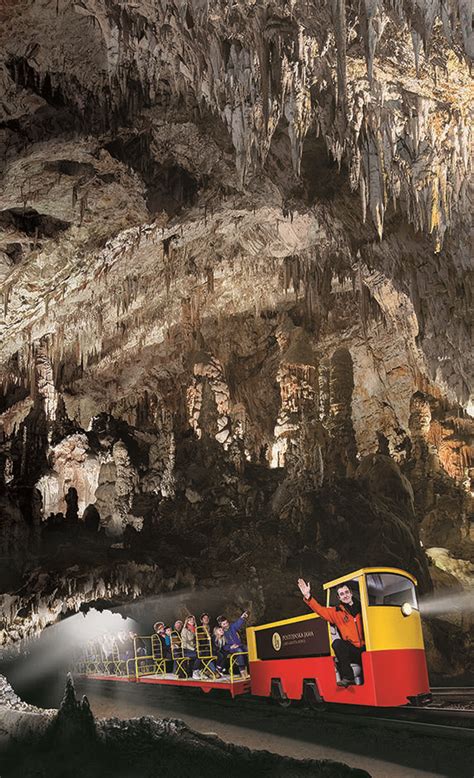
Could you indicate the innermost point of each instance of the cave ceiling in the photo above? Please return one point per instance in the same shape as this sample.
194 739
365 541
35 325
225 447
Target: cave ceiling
216 215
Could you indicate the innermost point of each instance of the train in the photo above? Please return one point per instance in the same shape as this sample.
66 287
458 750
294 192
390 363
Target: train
293 659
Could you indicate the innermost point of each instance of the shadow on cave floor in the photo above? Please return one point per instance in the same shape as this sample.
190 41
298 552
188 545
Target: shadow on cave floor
408 752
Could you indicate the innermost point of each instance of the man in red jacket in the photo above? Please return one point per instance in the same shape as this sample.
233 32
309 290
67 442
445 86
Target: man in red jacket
347 618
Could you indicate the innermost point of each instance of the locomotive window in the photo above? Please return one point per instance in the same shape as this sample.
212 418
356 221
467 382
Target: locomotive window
390 589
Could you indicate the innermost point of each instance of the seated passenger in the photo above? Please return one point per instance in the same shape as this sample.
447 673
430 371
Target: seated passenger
166 649
158 639
205 650
167 640
137 643
178 625
205 622
177 653
188 639
167 643
127 650
122 644
159 630
233 643
347 618
218 643
106 644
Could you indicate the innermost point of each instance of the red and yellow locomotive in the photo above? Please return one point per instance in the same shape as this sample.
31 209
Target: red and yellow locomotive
293 659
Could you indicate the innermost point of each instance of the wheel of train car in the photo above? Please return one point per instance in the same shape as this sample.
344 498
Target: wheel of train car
278 695
311 695
320 707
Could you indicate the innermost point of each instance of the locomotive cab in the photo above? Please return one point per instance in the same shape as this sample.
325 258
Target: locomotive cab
393 663
293 657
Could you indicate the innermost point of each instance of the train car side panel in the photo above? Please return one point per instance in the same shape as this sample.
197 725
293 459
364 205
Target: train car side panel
390 677
399 674
292 674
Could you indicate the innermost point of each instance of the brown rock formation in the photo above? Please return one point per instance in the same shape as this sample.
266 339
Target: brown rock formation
234 266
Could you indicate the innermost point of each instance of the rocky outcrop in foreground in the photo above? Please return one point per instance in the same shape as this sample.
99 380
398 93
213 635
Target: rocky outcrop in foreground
73 743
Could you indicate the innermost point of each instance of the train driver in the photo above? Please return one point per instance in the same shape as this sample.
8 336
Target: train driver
347 618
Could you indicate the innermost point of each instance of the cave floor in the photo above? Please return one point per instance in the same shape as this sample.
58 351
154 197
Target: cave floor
262 725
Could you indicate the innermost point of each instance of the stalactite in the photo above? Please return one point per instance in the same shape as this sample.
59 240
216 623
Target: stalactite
210 280
416 40
292 273
82 208
279 56
6 293
373 24
339 21
363 304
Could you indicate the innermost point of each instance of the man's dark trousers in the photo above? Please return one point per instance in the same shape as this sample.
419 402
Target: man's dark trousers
346 653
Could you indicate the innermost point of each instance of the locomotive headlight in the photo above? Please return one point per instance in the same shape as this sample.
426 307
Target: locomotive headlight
406 609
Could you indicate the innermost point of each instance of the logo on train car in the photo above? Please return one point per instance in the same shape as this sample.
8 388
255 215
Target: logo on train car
297 639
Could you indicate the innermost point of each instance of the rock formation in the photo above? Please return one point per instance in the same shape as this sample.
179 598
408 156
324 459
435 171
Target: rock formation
236 289
46 743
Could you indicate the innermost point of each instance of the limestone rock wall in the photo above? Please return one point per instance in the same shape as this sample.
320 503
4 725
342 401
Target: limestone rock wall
236 286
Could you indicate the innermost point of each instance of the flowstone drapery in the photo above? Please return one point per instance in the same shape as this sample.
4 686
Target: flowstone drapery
235 285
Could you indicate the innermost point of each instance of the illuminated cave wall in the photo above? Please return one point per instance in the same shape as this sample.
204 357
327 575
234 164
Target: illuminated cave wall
234 268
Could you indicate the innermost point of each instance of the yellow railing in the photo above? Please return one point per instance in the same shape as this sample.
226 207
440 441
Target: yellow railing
177 654
93 660
97 661
143 665
233 658
204 651
115 660
150 663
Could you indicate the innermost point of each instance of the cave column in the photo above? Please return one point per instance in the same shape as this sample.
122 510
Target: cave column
342 447
419 424
208 400
299 439
44 382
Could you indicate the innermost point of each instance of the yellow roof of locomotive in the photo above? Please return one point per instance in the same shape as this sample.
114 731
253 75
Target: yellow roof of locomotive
365 570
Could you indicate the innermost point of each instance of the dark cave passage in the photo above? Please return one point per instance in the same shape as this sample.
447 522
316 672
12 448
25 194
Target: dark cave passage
32 223
169 187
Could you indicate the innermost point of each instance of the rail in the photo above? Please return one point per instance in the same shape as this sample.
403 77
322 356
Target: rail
400 723
459 692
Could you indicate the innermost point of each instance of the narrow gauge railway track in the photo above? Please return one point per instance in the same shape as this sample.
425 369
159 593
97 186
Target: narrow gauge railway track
402 724
452 689
453 698
426 714
456 692
439 719
434 722
433 713
441 722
